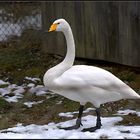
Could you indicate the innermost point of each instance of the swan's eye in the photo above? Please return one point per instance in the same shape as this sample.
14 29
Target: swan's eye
58 23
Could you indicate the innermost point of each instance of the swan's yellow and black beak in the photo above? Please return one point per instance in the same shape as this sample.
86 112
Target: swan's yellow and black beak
53 27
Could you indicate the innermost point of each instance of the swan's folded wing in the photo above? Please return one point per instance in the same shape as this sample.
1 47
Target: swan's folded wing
84 76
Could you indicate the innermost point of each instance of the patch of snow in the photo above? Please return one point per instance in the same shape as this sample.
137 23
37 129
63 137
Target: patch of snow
71 114
68 114
3 83
17 92
59 102
30 85
127 111
32 79
38 93
88 109
12 99
4 91
29 104
38 90
51 131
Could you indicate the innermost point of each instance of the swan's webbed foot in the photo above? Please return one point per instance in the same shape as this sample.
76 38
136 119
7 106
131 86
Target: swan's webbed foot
78 123
91 129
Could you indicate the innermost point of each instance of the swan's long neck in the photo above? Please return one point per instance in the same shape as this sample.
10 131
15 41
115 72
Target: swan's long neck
70 55
68 61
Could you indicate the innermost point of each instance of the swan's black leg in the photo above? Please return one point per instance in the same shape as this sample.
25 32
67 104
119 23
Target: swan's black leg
98 123
78 121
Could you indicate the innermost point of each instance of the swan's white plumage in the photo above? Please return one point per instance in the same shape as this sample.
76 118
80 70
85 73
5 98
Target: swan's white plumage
84 83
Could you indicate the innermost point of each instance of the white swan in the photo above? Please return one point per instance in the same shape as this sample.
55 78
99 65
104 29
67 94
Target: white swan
82 83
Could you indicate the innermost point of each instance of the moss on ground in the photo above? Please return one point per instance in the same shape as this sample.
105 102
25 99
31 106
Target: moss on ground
4 105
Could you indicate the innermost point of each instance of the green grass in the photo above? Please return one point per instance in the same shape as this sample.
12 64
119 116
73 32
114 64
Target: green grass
4 105
3 86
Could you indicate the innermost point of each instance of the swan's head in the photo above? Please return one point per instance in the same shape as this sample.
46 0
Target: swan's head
59 25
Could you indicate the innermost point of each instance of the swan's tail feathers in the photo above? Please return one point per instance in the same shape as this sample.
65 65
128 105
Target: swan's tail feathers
134 96
129 93
137 96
